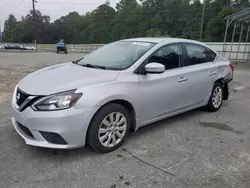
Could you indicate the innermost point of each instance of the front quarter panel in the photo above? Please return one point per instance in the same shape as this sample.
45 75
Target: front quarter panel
125 87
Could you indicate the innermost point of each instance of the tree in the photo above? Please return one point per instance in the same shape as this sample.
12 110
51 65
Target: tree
69 27
153 33
9 27
127 22
100 24
131 18
216 26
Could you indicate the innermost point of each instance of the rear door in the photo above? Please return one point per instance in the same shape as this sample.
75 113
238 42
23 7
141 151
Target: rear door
202 73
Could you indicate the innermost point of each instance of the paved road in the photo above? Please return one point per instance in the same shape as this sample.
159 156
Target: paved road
195 149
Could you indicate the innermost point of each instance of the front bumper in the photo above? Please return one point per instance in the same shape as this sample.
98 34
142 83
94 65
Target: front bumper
71 125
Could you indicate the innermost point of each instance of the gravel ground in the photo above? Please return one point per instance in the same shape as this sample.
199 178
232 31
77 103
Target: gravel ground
195 149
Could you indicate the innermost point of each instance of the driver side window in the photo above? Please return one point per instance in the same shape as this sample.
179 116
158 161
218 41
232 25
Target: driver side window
169 56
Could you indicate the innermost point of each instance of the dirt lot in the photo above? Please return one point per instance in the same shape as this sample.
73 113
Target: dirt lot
195 149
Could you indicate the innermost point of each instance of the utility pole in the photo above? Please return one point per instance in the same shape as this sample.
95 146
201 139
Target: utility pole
34 19
202 19
0 32
34 11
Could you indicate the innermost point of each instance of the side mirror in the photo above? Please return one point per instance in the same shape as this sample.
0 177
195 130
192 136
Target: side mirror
155 68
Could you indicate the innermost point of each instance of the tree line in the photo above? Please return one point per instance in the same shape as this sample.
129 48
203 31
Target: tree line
148 18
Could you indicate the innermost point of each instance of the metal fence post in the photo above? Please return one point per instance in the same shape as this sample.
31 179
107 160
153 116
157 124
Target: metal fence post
242 27
235 26
246 43
225 38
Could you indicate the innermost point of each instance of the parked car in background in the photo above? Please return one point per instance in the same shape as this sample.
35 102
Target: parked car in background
61 47
14 47
30 48
17 47
11 47
22 47
124 85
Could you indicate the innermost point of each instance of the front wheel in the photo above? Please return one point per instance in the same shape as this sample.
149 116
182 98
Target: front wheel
216 98
109 128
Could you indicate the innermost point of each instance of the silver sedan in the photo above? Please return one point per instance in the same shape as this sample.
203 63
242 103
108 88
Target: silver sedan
122 86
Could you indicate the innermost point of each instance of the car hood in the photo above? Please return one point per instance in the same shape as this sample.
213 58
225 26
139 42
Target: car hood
64 77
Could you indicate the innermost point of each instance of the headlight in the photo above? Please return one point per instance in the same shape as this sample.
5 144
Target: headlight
58 101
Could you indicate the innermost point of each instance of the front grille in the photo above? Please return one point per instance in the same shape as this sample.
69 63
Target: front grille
53 138
20 97
25 130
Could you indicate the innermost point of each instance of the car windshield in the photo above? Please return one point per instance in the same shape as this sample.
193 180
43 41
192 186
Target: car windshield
116 56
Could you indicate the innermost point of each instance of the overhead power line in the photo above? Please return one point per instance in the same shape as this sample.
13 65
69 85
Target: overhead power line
186 11
1 16
70 2
18 5
150 21
4 3
15 7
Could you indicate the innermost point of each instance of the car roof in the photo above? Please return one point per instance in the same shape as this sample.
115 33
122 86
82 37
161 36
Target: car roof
161 40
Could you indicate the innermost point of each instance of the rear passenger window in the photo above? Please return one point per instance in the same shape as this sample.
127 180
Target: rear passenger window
197 54
169 56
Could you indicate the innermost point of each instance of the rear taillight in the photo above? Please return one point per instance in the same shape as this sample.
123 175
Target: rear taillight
232 67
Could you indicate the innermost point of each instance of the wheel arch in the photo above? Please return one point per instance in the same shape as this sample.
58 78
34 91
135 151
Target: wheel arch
131 110
225 87
127 105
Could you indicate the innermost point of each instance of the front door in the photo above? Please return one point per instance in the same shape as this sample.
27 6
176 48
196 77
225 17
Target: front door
162 94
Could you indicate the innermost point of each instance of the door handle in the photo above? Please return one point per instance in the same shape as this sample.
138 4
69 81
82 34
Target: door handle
182 79
212 73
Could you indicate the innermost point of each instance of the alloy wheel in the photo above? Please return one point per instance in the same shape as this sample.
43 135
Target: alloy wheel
217 97
112 129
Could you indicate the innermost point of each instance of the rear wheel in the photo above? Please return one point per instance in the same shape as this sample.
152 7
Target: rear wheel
216 98
109 128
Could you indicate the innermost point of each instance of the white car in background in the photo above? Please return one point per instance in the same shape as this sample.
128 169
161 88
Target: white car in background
30 48
2 47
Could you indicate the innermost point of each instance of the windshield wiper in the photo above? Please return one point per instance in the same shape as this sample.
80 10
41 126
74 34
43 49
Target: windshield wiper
76 61
93 66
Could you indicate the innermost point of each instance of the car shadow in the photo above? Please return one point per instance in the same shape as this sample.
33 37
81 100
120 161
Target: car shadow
55 154
162 124
71 154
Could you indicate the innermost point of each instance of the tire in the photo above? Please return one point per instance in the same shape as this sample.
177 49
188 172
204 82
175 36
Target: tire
212 105
57 51
94 137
